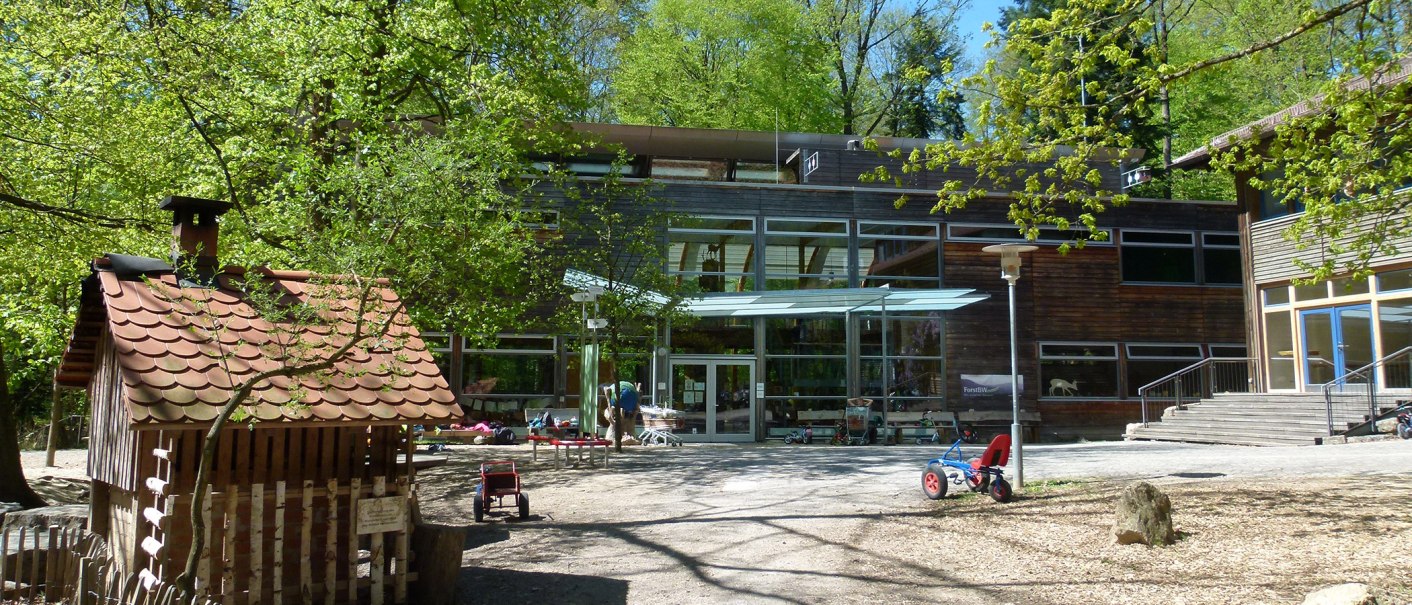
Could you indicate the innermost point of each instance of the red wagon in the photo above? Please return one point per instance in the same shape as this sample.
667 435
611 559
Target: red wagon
498 481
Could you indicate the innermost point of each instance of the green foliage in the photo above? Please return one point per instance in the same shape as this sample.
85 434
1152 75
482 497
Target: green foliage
734 64
308 115
926 103
617 232
1343 163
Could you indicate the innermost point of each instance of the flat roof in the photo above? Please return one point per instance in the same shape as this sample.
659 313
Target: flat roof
795 302
821 302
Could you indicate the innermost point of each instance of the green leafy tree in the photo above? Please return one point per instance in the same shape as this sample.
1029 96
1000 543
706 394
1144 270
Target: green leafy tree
860 39
1343 162
616 232
925 103
592 40
748 64
311 117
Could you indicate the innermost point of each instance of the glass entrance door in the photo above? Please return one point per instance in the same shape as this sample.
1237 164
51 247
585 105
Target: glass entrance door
716 398
1336 341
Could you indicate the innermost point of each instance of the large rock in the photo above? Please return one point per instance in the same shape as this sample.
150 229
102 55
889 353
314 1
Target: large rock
1144 515
64 515
1342 594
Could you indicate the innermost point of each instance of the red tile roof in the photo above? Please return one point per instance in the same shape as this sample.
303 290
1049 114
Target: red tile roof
175 369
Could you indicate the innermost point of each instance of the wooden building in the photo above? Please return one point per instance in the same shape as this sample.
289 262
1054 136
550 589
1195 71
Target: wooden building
309 496
1306 335
764 212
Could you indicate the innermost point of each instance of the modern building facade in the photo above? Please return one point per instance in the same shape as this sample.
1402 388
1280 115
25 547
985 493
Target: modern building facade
1306 335
792 252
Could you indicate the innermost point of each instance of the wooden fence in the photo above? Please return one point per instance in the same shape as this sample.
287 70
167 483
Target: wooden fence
340 546
70 564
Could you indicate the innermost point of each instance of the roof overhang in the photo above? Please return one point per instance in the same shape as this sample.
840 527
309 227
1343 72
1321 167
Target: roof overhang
831 302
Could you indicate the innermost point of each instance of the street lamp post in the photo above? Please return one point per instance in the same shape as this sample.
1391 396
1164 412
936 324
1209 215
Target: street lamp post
588 385
1010 272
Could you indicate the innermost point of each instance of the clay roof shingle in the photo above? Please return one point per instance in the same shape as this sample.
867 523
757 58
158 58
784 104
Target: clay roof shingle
181 351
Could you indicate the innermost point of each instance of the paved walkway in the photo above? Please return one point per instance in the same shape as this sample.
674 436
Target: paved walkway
1096 460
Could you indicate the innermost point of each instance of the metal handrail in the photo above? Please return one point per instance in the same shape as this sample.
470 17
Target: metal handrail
1177 378
1366 372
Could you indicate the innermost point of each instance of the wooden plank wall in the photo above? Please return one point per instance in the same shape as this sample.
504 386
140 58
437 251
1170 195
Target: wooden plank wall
842 167
112 445
279 514
1274 256
1077 297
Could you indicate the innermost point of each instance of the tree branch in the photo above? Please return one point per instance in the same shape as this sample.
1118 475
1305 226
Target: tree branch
72 215
1332 14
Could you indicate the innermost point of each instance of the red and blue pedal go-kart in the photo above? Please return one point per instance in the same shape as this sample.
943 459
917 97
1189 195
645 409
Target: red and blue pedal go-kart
978 474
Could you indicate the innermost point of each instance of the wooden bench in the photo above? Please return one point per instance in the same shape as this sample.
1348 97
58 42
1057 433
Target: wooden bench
820 416
580 444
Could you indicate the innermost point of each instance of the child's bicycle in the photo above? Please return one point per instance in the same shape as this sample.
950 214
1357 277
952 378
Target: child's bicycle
1404 421
978 474
805 435
964 432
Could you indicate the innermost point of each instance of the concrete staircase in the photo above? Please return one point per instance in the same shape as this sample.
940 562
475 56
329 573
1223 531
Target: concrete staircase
1252 419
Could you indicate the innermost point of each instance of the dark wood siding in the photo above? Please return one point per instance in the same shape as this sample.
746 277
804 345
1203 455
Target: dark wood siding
842 167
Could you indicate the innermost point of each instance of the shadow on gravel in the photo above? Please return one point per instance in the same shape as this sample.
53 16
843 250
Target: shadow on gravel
482 535
508 587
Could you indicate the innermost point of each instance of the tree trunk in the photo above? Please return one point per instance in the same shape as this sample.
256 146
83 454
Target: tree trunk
56 415
13 486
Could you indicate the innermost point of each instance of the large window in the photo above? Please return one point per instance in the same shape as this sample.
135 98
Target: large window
1220 258
1011 233
1173 257
1279 349
760 172
1085 370
806 366
902 255
803 254
715 336
716 253
1158 256
1148 363
496 382
689 170
1395 328
914 360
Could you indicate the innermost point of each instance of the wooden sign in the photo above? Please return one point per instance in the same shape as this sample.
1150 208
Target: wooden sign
378 515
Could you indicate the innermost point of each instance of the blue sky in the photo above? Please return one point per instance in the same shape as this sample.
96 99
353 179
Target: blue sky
969 25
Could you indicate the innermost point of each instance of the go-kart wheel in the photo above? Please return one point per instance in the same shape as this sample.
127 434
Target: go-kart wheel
478 508
1000 490
934 481
978 482
524 506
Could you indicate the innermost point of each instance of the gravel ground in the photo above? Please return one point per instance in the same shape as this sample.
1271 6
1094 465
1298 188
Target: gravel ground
817 524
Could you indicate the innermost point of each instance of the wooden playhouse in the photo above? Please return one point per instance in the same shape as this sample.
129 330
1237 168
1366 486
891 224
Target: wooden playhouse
310 497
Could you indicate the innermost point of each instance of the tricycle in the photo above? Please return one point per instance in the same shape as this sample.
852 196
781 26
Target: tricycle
979 474
498 481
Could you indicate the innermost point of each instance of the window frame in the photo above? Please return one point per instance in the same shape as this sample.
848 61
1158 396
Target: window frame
843 238
863 238
952 237
1191 245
